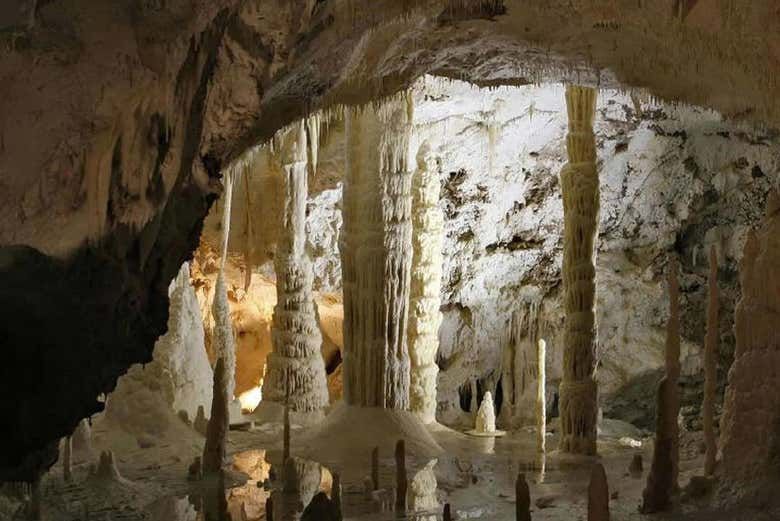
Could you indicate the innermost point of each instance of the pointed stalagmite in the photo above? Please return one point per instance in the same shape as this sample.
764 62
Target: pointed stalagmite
269 509
598 494
67 449
286 434
219 423
522 499
662 478
541 406
375 468
295 371
424 298
711 368
401 481
376 254
335 493
580 189
447 514
486 416
224 343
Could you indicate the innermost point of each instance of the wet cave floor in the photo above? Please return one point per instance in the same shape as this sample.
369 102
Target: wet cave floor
476 476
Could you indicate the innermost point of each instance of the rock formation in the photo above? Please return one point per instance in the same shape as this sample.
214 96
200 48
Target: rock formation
636 467
541 406
486 416
401 480
376 254
749 425
106 467
67 449
522 499
321 508
375 468
521 362
580 190
286 434
711 367
598 494
219 423
447 513
224 343
662 479
295 371
424 296
422 492
201 423
335 494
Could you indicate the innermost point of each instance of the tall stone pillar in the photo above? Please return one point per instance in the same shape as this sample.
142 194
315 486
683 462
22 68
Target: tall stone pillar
295 367
425 298
376 254
580 188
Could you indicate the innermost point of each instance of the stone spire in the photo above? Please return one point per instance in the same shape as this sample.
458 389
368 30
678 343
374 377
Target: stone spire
580 188
295 367
424 298
376 254
711 368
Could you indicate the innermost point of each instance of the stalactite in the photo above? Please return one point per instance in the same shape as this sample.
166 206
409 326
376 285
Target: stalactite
580 189
313 124
711 367
541 397
524 330
376 254
219 422
224 343
226 210
295 365
249 242
424 297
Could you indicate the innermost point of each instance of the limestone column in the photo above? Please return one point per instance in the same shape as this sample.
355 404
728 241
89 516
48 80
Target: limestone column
425 298
376 254
580 189
295 368
711 368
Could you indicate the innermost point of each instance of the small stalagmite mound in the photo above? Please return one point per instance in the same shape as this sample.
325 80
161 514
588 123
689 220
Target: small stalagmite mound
598 494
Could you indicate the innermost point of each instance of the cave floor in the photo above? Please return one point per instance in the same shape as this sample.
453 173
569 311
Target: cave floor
476 476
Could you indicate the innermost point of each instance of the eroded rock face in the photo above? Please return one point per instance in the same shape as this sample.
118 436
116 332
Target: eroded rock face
749 426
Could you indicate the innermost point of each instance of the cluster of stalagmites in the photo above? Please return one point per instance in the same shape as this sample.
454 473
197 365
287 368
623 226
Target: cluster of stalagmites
295 372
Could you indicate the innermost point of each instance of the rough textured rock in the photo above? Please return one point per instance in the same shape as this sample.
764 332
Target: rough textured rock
376 252
224 342
580 191
425 291
749 425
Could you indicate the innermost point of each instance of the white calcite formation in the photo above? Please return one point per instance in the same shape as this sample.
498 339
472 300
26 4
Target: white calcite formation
520 365
424 297
749 425
541 399
711 367
580 189
148 397
376 254
223 340
295 371
486 415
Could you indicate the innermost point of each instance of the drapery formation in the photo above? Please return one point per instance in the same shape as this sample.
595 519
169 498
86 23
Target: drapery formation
376 254
580 188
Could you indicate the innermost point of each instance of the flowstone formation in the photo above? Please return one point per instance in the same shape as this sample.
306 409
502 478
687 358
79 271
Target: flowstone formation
749 426
580 190
486 415
376 253
711 367
295 371
424 297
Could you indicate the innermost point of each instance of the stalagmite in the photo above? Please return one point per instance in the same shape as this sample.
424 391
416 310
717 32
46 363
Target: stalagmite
228 200
269 509
219 423
35 500
447 514
295 371
335 493
375 468
401 481
636 467
580 189
749 433
522 499
376 254
486 416
711 368
67 449
106 468
286 435
541 406
224 343
424 298
662 479
598 494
